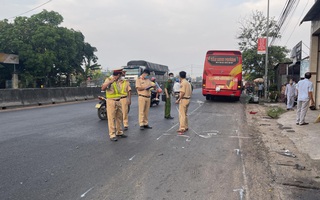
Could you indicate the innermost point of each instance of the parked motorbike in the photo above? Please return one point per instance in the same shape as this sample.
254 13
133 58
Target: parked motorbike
153 98
102 108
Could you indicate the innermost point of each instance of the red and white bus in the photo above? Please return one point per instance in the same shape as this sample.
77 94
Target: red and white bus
222 74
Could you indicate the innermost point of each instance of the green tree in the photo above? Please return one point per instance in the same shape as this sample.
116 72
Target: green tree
251 29
49 54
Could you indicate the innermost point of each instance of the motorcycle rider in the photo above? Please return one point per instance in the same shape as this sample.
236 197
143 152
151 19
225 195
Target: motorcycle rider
176 88
125 99
114 108
157 89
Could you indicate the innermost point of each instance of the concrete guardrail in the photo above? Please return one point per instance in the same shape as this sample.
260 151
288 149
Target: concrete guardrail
41 96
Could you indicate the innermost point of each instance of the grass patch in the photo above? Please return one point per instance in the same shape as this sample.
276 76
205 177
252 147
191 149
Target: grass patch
275 112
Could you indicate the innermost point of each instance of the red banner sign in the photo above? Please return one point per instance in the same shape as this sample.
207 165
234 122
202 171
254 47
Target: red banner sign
262 45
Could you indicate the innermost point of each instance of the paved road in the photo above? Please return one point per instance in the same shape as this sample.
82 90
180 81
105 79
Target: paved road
63 152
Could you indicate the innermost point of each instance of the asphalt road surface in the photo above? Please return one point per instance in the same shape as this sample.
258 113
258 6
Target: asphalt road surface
64 152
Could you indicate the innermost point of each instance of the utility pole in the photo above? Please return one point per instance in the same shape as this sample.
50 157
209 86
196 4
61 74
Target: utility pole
267 47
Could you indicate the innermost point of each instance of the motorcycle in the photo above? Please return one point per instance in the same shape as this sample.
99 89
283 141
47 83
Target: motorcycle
153 98
102 108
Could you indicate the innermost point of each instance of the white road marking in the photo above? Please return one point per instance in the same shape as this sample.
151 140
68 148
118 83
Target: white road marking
239 137
244 174
200 104
84 194
241 192
132 157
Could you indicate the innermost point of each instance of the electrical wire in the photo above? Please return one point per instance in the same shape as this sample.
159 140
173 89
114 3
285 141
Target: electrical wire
31 9
286 11
297 23
305 45
290 18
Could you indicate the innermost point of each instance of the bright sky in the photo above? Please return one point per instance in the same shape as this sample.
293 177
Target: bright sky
177 33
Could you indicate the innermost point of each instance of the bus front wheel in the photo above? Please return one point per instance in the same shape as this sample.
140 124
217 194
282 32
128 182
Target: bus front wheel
208 97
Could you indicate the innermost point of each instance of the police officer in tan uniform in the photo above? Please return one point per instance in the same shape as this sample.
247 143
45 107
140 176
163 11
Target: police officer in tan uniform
183 101
114 108
125 99
143 85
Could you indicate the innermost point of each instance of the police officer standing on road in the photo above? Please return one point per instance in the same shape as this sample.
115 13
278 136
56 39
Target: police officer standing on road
114 110
183 101
168 90
143 85
125 91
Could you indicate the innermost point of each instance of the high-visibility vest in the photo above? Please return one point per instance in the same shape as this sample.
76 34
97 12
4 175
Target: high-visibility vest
123 91
115 94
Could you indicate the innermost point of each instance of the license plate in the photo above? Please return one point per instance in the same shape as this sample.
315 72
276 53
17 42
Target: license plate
98 105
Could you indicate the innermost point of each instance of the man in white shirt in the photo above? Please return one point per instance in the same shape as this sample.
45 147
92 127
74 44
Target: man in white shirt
305 95
290 94
176 88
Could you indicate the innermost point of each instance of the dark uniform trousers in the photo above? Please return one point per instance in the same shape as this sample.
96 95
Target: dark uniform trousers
167 108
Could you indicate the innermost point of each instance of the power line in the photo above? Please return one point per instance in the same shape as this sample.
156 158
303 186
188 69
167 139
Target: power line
286 26
298 23
305 45
31 9
285 13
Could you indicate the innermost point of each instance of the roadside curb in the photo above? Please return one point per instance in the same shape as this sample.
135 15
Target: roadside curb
289 148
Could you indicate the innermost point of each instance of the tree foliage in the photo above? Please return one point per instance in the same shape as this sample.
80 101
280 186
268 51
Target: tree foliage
251 29
48 54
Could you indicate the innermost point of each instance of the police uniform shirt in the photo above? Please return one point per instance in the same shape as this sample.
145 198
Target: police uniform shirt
185 87
168 86
143 83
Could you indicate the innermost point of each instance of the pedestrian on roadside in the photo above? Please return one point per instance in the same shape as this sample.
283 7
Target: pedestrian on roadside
290 94
168 91
183 101
305 95
143 86
114 108
260 90
125 99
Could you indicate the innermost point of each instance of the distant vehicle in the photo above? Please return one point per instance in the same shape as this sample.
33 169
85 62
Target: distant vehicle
222 74
135 68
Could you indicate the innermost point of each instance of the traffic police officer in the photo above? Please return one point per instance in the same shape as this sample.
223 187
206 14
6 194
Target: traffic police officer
183 101
143 86
125 99
114 110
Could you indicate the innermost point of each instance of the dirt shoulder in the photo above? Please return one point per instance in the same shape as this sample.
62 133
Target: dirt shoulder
281 169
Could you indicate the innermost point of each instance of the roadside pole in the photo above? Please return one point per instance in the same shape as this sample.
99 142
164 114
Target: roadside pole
266 67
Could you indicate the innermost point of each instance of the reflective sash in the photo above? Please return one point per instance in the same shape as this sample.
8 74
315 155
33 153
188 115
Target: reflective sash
123 89
115 93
